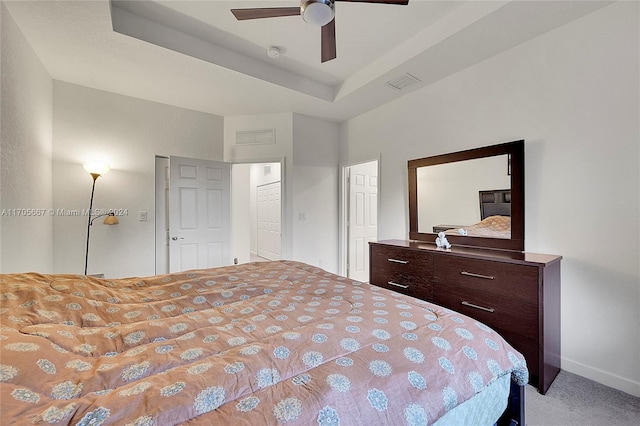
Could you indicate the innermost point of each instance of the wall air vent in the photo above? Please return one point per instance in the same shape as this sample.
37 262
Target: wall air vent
255 137
403 82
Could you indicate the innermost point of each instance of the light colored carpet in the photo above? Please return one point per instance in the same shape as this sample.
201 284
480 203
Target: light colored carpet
574 400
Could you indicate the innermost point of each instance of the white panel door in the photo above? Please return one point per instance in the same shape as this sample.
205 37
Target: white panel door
363 217
269 221
200 214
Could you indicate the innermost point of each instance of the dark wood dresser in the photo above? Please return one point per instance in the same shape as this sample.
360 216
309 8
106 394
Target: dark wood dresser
515 293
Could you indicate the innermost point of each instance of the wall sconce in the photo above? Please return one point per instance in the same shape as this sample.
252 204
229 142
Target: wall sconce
111 219
96 170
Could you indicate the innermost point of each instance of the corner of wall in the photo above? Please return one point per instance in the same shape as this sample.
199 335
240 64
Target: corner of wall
26 162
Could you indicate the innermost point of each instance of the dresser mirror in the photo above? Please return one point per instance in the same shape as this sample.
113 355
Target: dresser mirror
475 196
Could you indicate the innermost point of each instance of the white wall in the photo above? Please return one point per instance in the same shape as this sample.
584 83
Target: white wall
25 154
573 95
315 169
126 133
308 150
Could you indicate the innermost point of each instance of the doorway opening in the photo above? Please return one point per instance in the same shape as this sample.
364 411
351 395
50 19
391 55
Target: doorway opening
255 213
358 218
268 244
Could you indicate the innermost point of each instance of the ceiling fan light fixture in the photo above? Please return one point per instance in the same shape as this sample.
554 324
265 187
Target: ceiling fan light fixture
317 12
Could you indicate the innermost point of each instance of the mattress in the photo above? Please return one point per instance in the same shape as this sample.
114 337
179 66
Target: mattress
260 343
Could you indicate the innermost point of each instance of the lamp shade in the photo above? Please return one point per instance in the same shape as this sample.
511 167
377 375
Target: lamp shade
95 167
111 219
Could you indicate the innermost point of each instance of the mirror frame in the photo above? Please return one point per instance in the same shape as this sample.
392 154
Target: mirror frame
515 150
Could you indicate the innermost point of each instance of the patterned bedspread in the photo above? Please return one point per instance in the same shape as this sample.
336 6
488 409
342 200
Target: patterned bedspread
489 227
260 343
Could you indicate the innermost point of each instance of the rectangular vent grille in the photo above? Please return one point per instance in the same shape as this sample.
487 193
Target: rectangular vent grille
255 137
403 82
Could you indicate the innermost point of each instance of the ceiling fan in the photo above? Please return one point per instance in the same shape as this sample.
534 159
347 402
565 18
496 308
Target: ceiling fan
316 12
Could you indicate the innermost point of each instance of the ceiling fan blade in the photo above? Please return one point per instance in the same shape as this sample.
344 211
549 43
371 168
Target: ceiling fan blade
268 12
400 2
328 41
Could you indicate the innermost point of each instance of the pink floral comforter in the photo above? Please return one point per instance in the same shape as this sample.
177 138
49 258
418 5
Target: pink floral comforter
261 343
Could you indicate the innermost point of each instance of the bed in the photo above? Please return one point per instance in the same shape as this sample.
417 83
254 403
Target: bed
490 227
495 216
260 343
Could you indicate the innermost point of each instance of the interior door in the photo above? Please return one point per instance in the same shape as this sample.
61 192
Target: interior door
200 214
363 217
269 222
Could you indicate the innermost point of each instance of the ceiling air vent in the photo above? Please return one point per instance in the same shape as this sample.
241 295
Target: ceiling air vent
255 137
403 82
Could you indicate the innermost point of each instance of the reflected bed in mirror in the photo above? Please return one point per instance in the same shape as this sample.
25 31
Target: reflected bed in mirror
458 195
476 197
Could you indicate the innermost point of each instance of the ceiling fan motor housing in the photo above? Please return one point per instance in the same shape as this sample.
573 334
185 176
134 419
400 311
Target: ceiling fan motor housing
317 12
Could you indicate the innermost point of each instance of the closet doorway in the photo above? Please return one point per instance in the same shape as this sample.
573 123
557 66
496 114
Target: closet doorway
257 198
269 229
251 239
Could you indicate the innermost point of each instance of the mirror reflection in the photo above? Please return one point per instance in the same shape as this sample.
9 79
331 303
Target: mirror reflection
466 198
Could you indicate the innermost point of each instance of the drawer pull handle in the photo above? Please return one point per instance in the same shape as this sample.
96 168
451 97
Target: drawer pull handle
471 274
404 262
482 308
398 285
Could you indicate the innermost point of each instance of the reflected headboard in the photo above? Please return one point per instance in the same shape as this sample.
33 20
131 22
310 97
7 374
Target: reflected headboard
495 203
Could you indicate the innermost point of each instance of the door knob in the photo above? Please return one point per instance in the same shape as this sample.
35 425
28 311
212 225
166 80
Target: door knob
176 238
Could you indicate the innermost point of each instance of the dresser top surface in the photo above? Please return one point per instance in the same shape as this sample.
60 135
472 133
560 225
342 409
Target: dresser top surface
488 254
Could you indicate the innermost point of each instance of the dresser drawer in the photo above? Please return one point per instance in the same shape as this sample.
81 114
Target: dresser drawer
402 260
406 284
497 311
511 281
405 271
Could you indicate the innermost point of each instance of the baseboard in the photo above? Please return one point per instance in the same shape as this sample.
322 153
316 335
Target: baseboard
623 384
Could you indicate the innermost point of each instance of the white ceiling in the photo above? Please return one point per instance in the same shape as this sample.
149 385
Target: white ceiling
195 54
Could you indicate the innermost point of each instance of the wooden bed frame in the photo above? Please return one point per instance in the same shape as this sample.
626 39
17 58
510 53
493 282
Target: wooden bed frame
514 414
